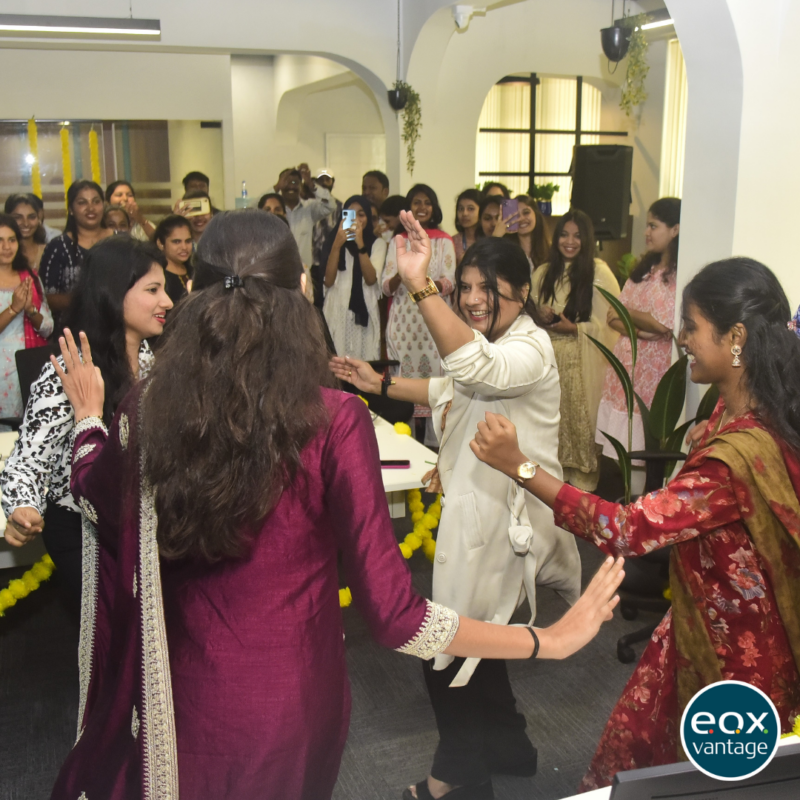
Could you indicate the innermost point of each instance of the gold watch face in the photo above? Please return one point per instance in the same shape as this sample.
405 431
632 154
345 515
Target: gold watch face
526 471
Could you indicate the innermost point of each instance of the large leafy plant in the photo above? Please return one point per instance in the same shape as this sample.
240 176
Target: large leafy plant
660 420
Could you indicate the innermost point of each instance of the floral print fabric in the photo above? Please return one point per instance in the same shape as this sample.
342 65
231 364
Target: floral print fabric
795 323
730 587
657 298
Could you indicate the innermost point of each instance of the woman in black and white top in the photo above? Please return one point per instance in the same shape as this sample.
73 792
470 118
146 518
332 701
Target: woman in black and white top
118 303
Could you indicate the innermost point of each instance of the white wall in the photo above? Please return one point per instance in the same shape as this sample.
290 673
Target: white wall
167 86
454 71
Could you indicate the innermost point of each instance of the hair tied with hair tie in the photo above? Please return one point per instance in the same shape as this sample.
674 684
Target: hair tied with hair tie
233 282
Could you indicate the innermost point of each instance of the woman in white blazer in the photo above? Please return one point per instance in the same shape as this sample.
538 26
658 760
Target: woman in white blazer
495 542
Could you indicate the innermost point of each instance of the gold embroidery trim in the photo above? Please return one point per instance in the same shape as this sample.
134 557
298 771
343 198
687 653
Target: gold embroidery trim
135 723
437 632
160 751
123 431
82 451
90 559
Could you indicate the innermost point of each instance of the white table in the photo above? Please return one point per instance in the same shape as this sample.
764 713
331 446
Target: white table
605 794
396 482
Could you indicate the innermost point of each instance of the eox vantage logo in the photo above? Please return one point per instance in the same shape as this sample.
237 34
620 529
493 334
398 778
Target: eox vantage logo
730 730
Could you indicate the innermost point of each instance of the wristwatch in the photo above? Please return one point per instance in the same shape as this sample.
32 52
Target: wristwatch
426 292
363 249
526 471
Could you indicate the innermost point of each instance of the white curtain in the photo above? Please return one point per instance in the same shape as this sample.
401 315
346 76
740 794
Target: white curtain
673 146
508 106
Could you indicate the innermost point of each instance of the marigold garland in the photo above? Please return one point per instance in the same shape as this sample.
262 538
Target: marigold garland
66 164
29 582
94 155
33 144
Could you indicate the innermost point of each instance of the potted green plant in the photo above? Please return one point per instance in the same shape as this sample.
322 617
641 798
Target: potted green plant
403 98
663 439
633 93
543 194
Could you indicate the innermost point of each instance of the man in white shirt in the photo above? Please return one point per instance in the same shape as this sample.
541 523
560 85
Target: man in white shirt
302 214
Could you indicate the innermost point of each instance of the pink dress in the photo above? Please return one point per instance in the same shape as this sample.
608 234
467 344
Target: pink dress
229 679
655 297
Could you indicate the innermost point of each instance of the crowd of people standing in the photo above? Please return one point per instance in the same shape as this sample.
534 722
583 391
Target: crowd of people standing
165 493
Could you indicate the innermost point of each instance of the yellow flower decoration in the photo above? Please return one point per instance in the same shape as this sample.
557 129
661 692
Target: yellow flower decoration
29 582
422 535
402 429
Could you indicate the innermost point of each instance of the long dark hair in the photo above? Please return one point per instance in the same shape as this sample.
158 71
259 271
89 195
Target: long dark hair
20 262
580 273
540 241
110 270
668 211
494 258
744 291
35 202
234 396
71 226
475 196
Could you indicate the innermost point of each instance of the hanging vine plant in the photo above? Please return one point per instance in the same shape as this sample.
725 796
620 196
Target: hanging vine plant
412 121
633 93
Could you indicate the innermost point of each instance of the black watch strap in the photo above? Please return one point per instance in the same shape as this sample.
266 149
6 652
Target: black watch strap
387 381
364 249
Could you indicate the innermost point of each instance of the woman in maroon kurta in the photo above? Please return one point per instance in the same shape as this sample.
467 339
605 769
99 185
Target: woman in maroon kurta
225 674
732 515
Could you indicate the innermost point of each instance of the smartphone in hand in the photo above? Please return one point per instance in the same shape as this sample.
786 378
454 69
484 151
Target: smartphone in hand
510 207
349 223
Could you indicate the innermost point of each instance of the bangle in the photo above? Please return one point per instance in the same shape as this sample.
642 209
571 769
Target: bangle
12 312
535 640
363 250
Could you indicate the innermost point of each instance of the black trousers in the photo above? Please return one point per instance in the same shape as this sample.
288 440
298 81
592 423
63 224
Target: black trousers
480 729
63 539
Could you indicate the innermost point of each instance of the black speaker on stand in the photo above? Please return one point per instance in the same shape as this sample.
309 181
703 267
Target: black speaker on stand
601 186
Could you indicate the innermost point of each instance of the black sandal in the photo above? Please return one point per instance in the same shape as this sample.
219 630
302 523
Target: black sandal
477 791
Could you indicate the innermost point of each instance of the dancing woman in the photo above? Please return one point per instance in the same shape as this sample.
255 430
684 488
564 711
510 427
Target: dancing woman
732 514
488 557
221 496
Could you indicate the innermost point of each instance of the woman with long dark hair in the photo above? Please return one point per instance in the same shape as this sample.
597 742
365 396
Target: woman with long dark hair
352 285
25 208
468 222
173 237
649 296
732 516
25 320
566 292
495 358
531 234
119 302
407 337
63 257
222 496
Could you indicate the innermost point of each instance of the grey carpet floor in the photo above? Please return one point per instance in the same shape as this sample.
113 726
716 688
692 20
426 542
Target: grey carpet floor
392 730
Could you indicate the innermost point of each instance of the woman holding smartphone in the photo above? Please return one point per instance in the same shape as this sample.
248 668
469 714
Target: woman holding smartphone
530 234
495 358
353 258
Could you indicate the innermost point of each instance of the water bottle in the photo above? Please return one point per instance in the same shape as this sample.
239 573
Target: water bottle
244 190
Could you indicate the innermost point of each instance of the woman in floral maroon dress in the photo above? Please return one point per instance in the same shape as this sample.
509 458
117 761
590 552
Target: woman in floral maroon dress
732 514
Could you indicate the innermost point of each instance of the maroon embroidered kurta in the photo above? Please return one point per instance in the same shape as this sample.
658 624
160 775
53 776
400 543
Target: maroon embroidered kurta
252 649
701 513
